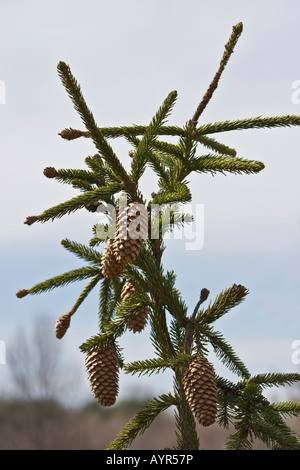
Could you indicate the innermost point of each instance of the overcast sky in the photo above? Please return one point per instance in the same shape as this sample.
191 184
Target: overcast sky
128 56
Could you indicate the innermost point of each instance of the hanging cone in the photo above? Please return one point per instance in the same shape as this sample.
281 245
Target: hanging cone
62 324
110 267
139 321
103 373
200 389
131 232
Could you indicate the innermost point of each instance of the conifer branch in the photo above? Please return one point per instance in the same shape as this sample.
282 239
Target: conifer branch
85 292
250 123
64 279
104 193
236 32
68 175
286 408
124 131
74 91
140 157
275 379
159 333
125 312
274 432
152 158
160 286
226 354
101 170
213 144
177 192
147 366
222 164
224 302
82 251
141 421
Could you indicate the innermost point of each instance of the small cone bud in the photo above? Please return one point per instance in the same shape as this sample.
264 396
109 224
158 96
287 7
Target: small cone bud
131 153
62 324
200 389
21 293
71 134
239 290
31 219
204 294
50 172
103 373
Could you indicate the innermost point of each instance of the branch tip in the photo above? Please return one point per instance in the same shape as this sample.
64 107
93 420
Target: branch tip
31 219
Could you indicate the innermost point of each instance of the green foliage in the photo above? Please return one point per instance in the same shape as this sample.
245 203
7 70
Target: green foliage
141 421
177 336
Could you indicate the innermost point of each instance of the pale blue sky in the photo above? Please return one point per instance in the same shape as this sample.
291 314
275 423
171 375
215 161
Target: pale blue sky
128 56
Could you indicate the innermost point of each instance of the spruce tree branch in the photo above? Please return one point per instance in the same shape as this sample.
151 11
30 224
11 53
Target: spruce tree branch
273 431
225 352
222 164
275 379
159 333
64 279
236 32
101 170
104 193
176 193
105 297
111 329
141 421
152 159
213 144
160 287
68 175
250 123
156 365
286 408
74 91
82 251
139 159
85 292
168 148
146 366
124 131
222 304
82 185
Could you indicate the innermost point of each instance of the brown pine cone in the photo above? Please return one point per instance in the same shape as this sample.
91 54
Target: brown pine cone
200 388
62 324
131 232
103 373
139 321
110 267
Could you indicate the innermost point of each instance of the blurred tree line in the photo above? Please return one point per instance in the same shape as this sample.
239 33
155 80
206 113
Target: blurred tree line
34 416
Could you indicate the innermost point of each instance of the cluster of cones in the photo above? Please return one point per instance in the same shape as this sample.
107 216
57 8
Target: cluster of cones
103 366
